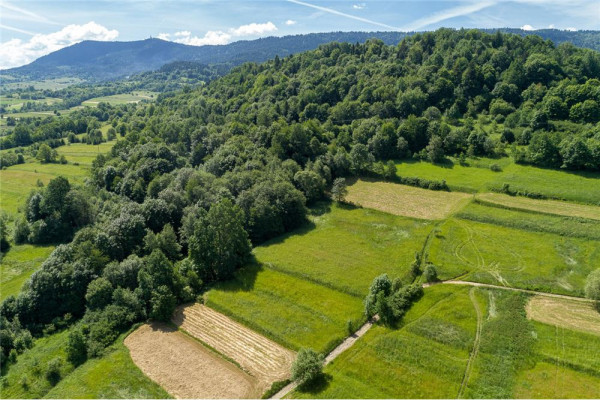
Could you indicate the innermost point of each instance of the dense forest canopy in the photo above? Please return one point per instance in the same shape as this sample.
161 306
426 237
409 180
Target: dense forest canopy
202 175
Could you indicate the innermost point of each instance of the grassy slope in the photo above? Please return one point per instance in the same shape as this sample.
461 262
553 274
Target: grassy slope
499 255
581 187
112 376
18 264
289 310
347 247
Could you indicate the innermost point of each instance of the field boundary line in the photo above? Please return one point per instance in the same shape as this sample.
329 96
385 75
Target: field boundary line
487 285
475 350
345 345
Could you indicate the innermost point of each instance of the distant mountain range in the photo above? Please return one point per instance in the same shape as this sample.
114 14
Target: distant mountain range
100 61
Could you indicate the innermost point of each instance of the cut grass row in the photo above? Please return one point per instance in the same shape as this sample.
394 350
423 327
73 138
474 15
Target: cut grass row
583 187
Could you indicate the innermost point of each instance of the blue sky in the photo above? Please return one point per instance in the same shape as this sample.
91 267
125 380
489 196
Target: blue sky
30 29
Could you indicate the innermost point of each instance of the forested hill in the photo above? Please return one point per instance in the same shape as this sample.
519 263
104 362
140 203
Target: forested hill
200 175
97 61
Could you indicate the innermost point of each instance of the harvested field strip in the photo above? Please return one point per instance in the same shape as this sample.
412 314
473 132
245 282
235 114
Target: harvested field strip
184 367
569 314
543 206
261 357
550 381
405 200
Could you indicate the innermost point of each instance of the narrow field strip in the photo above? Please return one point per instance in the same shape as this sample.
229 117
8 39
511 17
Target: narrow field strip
564 313
405 200
264 359
476 342
543 206
185 368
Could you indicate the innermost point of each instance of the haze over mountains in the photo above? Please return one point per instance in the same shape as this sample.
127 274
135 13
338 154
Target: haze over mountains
98 61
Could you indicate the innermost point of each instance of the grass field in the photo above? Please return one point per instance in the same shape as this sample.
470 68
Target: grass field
124 98
18 264
542 206
495 254
291 311
346 247
425 358
570 314
581 187
405 200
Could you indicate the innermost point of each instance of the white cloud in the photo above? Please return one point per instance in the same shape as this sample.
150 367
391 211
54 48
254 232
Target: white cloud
221 37
254 29
571 29
528 27
290 22
16 52
551 26
359 6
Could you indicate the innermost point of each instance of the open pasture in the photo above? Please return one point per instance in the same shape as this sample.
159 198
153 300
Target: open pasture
123 98
18 264
291 311
184 367
582 187
405 200
498 255
564 313
541 206
425 358
346 247
264 359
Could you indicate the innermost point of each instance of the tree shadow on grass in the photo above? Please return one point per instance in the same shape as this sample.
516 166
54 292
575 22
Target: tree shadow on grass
316 386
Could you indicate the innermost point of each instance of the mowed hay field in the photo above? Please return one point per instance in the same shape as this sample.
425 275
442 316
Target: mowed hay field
264 359
184 367
542 206
405 200
493 254
583 187
291 311
123 98
346 247
570 314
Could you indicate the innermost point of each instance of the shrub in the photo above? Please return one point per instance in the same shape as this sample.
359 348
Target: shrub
307 367
76 348
430 273
53 371
496 168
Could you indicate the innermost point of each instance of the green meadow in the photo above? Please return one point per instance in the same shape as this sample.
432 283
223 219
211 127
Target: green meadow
344 247
18 264
583 187
123 98
292 311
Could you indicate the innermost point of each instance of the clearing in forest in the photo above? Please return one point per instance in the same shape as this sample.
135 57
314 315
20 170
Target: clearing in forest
543 206
264 359
185 368
405 200
570 314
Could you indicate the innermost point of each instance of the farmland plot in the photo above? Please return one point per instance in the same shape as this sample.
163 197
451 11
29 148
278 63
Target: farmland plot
262 358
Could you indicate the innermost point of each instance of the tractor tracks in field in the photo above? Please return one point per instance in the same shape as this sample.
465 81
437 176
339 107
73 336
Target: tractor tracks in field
475 350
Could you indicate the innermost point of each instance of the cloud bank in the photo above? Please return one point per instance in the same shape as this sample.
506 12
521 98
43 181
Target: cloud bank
220 37
17 52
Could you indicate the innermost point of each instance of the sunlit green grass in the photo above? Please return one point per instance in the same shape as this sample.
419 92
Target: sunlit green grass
289 310
18 264
346 247
478 177
499 255
123 98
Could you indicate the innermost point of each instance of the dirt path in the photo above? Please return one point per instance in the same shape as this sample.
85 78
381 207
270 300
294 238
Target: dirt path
475 350
487 285
345 345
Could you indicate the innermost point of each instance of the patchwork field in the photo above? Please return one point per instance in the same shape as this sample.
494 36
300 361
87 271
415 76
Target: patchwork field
583 187
405 200
494 254
346 247
291 311
264 359
569 314
542 206
184 367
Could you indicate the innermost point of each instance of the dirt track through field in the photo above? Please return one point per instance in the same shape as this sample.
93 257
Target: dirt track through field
185 368
563 313
475 350
264 359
